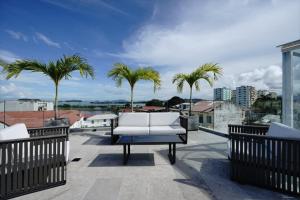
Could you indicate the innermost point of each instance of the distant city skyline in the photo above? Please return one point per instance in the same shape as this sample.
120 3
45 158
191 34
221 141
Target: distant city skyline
171 36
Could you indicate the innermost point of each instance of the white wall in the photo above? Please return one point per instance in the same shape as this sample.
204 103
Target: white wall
227 113
25 105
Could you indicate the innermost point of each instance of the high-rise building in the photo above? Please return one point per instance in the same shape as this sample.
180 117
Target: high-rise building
222 94
245 96
233 96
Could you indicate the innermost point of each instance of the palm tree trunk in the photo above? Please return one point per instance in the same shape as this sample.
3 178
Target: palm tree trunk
55 101
190 112
131 99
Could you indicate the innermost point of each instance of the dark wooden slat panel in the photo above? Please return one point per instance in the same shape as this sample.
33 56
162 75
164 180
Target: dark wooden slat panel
9 171
288 166
20 166
284 156
3 148
63 160
26 165
58 160
50 170
279 165
36 163
54 159
275 160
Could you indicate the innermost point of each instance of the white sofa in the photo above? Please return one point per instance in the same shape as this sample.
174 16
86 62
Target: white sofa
160 123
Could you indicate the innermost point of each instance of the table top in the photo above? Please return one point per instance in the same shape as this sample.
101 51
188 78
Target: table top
149 139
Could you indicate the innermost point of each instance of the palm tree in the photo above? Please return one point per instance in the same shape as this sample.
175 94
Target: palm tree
208 72
122 71
56 71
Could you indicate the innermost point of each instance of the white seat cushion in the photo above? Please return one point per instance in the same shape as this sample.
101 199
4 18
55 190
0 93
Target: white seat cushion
164 119
166 130
16 131
283 131
134 119
131 130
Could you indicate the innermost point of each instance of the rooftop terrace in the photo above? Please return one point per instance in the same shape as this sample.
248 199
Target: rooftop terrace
200 172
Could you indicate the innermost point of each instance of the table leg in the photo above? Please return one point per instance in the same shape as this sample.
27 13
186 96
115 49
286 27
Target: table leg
128 149
124 154
172 153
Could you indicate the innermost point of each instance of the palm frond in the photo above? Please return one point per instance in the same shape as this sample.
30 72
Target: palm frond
179 79
120 71
150 74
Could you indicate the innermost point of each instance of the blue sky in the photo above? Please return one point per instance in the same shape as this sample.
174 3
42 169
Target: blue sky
171 36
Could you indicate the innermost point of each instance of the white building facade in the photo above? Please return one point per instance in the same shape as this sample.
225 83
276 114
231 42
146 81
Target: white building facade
102 120
26 105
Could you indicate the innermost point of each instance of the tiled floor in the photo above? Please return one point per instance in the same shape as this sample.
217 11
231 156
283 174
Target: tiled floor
201 172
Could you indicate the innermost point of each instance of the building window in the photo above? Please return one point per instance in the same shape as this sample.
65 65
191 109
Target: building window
209 119
200 118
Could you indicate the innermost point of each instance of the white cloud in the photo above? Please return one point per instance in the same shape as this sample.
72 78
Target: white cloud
17 35
8 56
10 90
47 40
239 35
90 5
266 78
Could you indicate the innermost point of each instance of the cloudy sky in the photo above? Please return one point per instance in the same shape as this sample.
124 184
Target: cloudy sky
171 36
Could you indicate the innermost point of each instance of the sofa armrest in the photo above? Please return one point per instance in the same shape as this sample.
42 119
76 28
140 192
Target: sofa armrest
184 124
113 125
248 129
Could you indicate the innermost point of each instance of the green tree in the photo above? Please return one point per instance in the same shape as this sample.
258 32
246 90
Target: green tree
56 71
155 102
121 71
208 72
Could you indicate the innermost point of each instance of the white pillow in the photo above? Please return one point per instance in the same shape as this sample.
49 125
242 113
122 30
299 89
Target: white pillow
164 119
280 130
134 119
16 131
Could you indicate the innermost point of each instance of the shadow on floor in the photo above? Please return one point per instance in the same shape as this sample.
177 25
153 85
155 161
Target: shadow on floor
114 160
203 168
99 140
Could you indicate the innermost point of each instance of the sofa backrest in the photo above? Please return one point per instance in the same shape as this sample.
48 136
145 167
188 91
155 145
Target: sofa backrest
16 131
164 119
281 130
134 119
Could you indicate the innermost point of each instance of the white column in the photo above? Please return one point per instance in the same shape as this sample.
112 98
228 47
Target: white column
287 89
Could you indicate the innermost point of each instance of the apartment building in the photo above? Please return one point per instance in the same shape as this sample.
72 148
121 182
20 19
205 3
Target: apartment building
245 96
222 94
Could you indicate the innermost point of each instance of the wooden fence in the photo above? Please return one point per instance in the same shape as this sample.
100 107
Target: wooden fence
32 164
265 161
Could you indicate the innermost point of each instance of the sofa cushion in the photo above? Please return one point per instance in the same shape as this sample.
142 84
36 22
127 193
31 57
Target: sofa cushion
165 119
131 130
134 119
16 131
283 131
166 130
